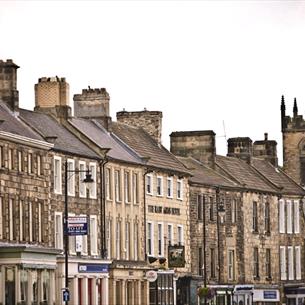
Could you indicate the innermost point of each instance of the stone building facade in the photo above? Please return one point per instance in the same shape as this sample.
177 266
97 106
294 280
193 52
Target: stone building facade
235 250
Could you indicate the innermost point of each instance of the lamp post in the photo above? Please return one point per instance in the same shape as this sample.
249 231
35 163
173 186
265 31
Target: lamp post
88 179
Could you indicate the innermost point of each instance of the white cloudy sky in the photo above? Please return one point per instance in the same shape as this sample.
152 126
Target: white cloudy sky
201 63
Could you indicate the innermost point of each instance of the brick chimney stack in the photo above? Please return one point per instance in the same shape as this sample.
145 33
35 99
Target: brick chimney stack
150 121
52 95
8 84
197 144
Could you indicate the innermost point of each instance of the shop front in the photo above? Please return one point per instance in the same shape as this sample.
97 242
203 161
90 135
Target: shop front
27 275
266 296
243 295
88 281
295 295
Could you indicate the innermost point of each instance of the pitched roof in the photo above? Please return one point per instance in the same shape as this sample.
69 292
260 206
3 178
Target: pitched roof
243 173
12 124
104 139
146 147
278 177
47 126
202 174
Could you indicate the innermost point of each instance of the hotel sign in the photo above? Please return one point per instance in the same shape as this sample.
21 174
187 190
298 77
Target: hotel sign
163 210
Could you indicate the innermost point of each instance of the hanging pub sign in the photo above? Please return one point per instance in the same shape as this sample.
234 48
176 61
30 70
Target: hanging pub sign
77 225
176 256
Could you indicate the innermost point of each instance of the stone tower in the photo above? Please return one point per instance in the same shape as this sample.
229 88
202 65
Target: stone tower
293 131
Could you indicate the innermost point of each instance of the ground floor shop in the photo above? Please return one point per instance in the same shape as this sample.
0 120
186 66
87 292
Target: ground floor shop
295 295
27 275
88 281
128 284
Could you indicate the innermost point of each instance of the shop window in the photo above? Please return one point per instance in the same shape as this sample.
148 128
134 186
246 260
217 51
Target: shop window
34 287
45 277
23 287
10 295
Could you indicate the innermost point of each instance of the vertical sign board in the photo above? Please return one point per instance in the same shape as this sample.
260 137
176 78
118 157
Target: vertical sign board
77 225
65 295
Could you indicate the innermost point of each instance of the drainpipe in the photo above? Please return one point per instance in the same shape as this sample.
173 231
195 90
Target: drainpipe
103 208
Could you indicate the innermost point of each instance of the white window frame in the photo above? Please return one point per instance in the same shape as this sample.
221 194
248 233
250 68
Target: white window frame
282 216
127 194
117 185
169 187
231 265
71 177
92 188
118 235
298 264
11 218
108 183
290 255
289 216
30 163
181 241
136 240
180 182
160 238
151 225
20 220
283 271
38 157
109 237
82 174
20 161
127 240
57 176
10 158
170 239
149 184
160 178
40 207
58 241
30 221
93 235
296 216
135 188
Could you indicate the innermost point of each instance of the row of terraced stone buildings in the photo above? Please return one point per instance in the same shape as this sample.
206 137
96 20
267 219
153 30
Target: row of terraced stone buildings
159 224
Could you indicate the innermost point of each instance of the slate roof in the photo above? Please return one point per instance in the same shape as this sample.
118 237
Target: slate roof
146 147
47 126
12 124
104 139
278 177
244 174
205 175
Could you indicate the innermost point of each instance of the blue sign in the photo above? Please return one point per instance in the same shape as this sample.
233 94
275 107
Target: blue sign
270 294
66 295
77 225
93 268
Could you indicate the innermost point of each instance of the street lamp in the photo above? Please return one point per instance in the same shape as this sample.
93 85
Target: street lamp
88 179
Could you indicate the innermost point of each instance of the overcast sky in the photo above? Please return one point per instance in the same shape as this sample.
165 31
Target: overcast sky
201 63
